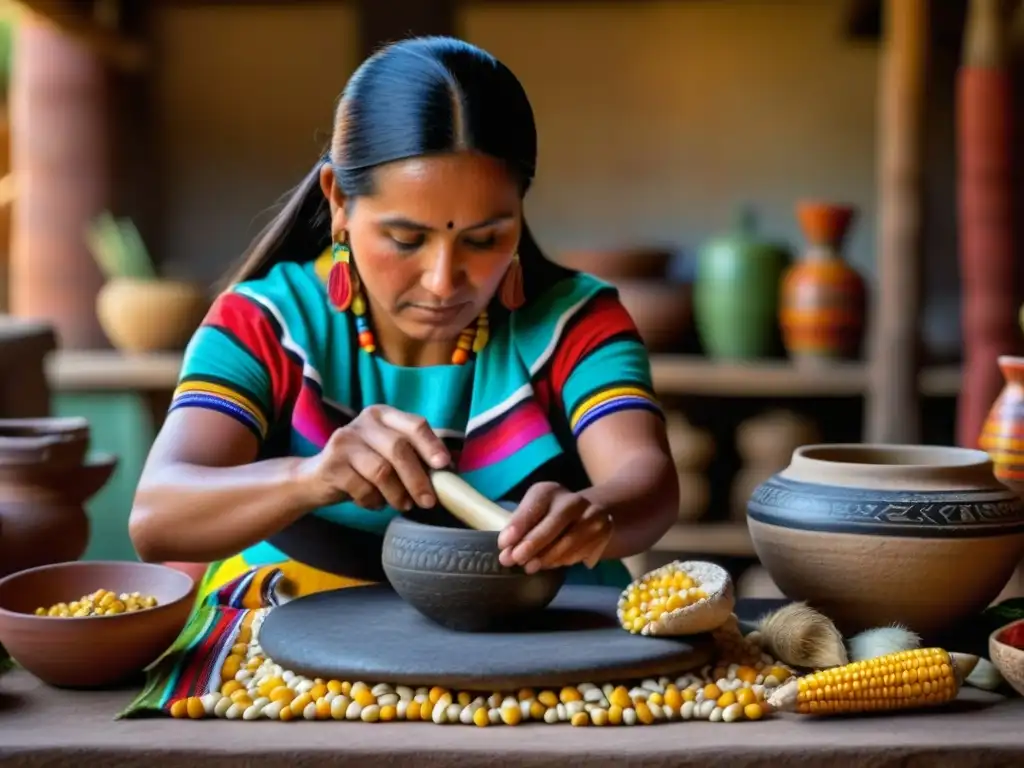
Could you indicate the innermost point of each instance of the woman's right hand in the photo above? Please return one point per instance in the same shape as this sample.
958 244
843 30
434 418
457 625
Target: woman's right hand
379 458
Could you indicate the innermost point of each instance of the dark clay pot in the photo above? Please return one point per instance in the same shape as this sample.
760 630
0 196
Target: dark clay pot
453 576
46 478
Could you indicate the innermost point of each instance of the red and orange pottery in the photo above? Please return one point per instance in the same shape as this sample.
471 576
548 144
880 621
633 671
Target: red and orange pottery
1002 435
823 299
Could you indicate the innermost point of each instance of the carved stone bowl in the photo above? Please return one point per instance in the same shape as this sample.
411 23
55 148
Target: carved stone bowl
871 535
453 577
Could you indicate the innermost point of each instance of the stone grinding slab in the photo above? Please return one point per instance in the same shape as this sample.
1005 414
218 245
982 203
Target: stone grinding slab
371 634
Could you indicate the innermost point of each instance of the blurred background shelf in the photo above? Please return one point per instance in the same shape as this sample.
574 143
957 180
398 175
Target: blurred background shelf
673 375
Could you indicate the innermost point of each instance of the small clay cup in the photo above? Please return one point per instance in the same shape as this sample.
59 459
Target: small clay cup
1007 659
95 651
453 577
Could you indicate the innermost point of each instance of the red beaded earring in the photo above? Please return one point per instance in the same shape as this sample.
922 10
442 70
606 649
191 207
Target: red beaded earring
342 282
511 294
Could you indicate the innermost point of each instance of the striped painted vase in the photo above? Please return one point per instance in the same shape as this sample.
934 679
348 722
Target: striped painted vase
823 299
1002 435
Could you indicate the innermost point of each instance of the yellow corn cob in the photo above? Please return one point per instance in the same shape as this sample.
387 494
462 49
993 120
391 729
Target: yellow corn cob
906 680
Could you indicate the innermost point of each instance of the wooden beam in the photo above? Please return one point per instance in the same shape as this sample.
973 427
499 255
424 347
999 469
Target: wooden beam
893 408
118 50
384 22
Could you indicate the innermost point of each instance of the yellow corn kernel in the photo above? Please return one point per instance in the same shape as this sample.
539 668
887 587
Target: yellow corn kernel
655 698
753 711
748 675
643 712
614 715
323 708
179 708
673 698
620 697
511 715
580 719
746 696
463 698
569 694
231 686
333 686
436 693
266 686
412 711
282 693
712 691
318 691
548 699
480 717
726 699
891 682
364 697
537 710
388 713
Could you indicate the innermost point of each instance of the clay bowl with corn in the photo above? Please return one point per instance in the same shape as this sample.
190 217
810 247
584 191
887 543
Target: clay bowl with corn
1006 651
92 624
453 575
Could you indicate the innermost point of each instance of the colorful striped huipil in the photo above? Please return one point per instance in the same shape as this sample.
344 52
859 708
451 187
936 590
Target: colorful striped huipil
273 354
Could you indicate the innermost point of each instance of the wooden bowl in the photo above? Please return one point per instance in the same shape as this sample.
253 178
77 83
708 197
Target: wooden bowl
94 651
453 576
614 264
1007 659
661 310
150 315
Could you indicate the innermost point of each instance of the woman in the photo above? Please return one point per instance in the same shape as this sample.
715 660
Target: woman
398 315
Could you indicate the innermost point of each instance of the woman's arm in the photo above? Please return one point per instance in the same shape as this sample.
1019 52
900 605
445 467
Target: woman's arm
634 479
202 495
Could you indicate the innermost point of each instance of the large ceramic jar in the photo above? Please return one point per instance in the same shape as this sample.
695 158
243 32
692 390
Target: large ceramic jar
45 480
823 298
736 293
872 535
1002 435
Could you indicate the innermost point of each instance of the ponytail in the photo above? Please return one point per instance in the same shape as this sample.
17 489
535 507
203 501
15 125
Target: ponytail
299 232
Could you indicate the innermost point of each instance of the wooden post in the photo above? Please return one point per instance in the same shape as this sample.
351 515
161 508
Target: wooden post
893 405
385 22
988 271
61 158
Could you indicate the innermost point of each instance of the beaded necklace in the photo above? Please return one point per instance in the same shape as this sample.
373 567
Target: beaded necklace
472 339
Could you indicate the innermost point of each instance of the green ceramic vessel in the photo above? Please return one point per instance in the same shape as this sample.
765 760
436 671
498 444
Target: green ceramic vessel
736 292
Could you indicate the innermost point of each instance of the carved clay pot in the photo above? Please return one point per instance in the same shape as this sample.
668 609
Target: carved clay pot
45 480
924 536
1002 434
453 576
150 315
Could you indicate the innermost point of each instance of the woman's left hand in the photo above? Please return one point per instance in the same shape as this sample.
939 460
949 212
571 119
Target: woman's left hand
554 527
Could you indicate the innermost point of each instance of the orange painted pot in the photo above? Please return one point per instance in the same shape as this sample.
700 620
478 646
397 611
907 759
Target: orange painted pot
1002 435
823 299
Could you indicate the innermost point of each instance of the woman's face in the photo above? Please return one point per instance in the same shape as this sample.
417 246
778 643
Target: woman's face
433 241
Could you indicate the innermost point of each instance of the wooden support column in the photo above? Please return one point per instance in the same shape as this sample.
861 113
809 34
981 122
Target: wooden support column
893 406
383 22
990 277
61 158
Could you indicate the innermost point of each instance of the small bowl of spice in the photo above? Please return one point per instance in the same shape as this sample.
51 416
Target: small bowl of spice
92 624
1006 651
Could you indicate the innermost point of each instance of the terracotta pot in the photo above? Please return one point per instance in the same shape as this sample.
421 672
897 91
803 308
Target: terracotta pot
1002 434
661 310
453 576
869 534
45 480
150 315
769 439
93 651
823 299
616 264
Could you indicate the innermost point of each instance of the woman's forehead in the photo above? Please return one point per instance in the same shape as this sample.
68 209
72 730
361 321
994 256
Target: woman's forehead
462 188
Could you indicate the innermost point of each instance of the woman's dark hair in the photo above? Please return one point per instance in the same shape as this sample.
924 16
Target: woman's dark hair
422 96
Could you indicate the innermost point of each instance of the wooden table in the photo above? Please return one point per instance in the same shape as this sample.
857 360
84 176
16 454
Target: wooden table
40 726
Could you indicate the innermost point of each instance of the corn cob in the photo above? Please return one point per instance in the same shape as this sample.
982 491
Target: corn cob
906 680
